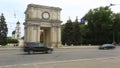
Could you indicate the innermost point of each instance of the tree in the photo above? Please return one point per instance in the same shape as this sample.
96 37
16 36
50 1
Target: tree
99 25
3 30
71 33
83 30
77 33
116 27
67 33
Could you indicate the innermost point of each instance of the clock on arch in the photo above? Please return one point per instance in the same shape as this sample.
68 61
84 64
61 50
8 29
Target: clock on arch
45 15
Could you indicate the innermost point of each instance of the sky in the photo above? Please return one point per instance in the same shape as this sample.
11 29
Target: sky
13 10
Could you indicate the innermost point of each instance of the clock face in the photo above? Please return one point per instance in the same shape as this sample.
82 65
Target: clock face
45 15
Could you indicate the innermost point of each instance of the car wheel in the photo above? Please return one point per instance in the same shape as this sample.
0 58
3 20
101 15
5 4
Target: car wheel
104 48
113 47
30 52
49 51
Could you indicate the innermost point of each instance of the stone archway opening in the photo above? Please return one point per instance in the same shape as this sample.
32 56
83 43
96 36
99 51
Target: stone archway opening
45 36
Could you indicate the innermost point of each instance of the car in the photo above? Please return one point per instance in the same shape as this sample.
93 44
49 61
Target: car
107 46
31 47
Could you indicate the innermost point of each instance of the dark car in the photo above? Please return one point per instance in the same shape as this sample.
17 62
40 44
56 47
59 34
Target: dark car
31 47
107 46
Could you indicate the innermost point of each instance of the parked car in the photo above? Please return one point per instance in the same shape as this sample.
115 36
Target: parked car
107 46
31 47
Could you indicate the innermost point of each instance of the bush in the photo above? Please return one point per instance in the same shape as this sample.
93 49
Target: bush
10 40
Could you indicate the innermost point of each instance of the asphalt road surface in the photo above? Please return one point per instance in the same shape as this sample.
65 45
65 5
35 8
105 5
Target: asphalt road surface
12 57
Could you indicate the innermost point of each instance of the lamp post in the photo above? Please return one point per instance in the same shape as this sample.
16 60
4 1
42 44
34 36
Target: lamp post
112 29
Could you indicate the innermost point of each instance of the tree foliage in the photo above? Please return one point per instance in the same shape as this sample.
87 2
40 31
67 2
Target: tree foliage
71 33
10 40
67 36
103 27
77 32
3 30
100 25
116 26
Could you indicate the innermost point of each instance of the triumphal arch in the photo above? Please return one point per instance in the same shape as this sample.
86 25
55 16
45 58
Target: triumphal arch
42 24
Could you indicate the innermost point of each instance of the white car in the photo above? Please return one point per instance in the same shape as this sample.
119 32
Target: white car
107 46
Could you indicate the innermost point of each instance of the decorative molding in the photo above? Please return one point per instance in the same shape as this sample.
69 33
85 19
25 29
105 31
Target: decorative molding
41 6
43 20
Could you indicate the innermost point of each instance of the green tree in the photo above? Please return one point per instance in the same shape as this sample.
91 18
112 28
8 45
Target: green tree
77 32
84 30
67 33
99 25
116 27
3 30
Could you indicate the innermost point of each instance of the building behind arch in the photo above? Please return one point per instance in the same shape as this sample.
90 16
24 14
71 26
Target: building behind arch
16 34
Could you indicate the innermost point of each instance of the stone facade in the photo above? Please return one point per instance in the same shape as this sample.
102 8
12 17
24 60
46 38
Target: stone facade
16 33
40 18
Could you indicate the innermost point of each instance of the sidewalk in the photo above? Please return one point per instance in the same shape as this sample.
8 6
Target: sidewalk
113 62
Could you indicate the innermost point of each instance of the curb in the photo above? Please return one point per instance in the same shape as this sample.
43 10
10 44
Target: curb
79 47
4 49
63 47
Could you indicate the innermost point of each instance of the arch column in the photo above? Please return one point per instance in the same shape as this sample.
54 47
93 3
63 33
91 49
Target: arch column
35 34
47 37
53 37
58 37
27 34
32 33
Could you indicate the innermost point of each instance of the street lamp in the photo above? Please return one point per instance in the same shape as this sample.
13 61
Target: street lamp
111 4
113 30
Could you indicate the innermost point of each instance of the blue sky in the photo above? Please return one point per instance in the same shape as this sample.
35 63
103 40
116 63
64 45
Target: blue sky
70 8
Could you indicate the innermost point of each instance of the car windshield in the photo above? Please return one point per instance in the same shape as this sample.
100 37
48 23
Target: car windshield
41 44
34 44
107 45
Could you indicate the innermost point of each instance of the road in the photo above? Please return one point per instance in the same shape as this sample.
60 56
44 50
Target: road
12 57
